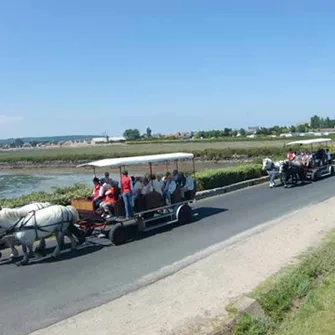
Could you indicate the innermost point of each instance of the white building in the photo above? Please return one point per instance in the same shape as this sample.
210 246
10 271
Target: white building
99 140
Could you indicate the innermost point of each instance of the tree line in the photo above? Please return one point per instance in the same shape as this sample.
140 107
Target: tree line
316 123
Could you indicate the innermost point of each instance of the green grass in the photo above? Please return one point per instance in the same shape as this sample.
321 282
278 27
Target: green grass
204 150
210 179
296 286
316 316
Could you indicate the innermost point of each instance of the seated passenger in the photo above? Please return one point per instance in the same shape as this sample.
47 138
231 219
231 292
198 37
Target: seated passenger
329 156
112 196
106 179
165 178
160 181
95 197
175 175
291 155
181 179
137 187
189 187
169 188
106 185
146 187
157 185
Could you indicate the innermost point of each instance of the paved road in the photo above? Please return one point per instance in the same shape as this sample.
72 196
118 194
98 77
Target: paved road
47 291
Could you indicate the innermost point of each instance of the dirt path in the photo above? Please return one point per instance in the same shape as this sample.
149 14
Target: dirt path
193 300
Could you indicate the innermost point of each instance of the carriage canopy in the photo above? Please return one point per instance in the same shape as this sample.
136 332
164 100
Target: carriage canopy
137 160
309 142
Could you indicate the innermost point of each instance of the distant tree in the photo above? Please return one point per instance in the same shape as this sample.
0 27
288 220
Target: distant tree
293 129
275 130
327 123
227 132
132 134
263 131
17 143
243 132
315 122
148 132
301 128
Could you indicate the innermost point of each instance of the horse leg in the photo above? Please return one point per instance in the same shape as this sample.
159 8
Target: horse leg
25 259
72 239
272 177
60 240
40 249
73 230
11 244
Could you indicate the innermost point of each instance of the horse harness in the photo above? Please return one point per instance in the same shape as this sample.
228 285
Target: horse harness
21 224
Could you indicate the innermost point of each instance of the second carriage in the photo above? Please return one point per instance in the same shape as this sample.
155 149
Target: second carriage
321 166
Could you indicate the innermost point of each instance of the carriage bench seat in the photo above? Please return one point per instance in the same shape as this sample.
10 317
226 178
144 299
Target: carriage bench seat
82 205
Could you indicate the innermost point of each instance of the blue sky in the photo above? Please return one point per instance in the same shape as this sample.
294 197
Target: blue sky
86 66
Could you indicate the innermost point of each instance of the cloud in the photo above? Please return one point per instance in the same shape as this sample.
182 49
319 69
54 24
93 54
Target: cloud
10 119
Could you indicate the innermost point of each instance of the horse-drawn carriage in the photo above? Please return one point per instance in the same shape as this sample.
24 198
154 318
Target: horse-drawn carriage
151 210
317 164
306 165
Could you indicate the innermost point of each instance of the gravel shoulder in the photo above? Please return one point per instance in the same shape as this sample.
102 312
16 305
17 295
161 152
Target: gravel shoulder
193 300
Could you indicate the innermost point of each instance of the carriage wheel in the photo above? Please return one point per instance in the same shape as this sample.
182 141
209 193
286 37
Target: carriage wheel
184 214
117 234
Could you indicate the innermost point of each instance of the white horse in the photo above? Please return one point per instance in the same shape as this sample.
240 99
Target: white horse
39 225
21 212
273 169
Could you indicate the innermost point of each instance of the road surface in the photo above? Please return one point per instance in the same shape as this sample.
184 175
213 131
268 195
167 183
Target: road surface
48 291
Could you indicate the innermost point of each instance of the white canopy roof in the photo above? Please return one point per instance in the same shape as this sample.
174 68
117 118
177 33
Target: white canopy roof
312 141
123 161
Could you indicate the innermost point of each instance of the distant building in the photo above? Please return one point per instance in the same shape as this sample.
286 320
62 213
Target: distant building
117 139
27 145
253 129
99 140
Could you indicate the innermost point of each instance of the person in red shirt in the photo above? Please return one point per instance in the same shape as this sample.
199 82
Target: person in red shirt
111 197
291 155
95 196
127 195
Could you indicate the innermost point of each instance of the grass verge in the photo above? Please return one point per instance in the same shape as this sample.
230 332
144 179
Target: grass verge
297 296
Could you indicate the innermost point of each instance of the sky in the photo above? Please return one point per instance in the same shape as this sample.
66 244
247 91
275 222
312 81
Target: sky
90 66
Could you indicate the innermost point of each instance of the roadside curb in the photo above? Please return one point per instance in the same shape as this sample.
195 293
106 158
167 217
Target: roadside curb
225 189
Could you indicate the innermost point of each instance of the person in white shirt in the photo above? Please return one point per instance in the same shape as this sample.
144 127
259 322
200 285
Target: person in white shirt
189 186
105 187
170 187
329 156
157 185
137 187
146 187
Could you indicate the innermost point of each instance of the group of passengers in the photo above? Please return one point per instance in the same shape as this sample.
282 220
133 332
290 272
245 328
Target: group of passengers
106 192
321 156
